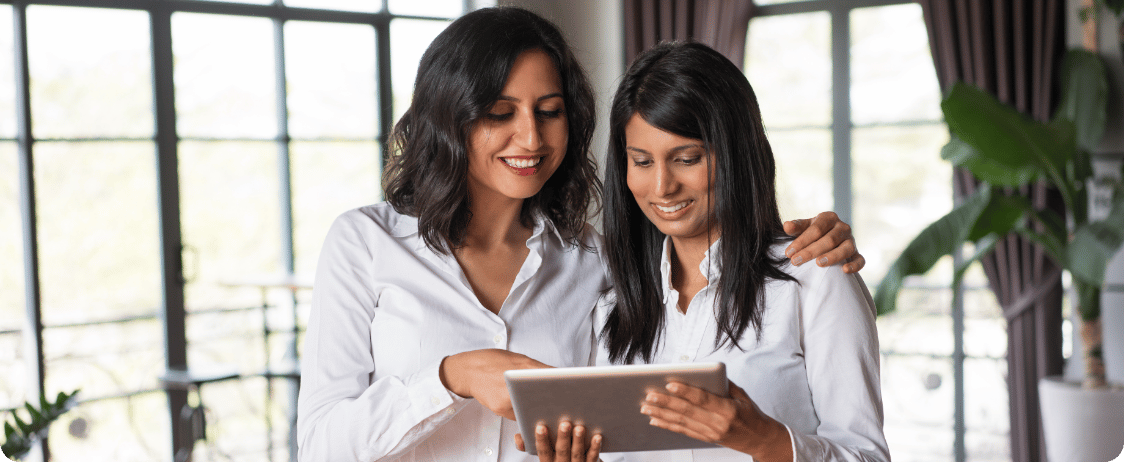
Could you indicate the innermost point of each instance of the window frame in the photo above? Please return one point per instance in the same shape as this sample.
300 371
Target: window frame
172 310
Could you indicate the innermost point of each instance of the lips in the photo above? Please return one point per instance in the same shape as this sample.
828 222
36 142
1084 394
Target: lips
524 166
671 210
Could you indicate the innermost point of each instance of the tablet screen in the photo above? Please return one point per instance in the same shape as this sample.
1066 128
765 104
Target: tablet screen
606 400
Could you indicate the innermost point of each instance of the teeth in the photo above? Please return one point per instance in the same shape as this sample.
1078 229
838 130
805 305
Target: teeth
672 208
522 163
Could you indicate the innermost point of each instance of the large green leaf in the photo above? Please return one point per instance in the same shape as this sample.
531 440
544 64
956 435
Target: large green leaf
1094 244
962 154
1084 96
940 238
1009 138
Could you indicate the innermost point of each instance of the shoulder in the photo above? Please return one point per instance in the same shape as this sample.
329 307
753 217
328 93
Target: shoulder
822 288
377 218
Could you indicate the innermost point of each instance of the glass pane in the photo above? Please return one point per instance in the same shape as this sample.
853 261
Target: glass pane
11 279
365 6
917 398
330 69
329 179
408 40
128 429
98 234
229 196
803 172
7 75
236 422
431 8
901 186
225 81
90 72
104 359
987 408
11 240
891 67
788 62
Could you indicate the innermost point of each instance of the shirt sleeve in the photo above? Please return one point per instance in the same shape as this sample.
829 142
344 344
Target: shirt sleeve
342 414
841 355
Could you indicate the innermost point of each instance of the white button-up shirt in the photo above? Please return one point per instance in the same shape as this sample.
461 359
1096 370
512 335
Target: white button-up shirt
386 310
815 368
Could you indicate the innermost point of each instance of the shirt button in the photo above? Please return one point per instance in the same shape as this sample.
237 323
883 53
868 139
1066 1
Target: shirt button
684 358
450 411
435 400
498 339
488 451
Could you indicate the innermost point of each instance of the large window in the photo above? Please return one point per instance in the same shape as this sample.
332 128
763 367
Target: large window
852 107
280 112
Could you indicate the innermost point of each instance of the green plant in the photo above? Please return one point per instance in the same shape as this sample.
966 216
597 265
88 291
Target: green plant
1005 148
19 438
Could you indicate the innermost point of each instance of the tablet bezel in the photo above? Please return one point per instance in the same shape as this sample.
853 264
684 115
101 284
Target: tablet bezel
607 399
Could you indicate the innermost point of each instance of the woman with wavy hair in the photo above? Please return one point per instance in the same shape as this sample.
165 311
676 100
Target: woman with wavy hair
695 248
479 261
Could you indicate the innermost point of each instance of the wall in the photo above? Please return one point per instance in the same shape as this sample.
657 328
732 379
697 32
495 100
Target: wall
594 29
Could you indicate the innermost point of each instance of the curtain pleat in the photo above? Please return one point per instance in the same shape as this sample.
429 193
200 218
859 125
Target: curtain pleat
720 24
1012 49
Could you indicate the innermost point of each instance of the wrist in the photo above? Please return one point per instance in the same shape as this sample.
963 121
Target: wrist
451 376
773 444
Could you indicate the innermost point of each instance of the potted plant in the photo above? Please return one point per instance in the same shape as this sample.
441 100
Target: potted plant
19 438
1005 148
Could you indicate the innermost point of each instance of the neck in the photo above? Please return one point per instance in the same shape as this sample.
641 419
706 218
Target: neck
686 255
495 222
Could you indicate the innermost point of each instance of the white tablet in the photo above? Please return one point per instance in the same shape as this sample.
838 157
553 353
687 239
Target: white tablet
606 400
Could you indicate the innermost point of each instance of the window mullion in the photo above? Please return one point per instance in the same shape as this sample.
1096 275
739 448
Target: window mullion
33 318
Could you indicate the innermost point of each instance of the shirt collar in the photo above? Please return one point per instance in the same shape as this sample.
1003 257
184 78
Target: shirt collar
709 266
404 226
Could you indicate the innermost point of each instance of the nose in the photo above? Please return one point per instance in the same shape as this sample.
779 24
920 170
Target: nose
527 132
665 182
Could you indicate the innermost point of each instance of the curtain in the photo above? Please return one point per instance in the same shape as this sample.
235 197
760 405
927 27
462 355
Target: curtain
720 24
1012 48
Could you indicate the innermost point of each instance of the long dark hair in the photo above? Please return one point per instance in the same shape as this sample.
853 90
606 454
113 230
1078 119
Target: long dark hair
460 76
692 91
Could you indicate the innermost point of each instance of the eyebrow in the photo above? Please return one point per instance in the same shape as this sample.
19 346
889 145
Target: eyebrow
674 150
541 98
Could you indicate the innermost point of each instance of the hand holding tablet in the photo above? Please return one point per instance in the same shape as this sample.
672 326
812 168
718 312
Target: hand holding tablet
606 400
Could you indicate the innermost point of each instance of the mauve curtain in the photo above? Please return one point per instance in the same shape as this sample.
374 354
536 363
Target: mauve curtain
721 24
1012 49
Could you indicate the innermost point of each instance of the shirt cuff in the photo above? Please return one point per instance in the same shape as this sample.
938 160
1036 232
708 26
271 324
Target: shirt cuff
429 395
792 437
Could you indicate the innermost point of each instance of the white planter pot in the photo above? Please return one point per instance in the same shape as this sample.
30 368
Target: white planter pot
1080 424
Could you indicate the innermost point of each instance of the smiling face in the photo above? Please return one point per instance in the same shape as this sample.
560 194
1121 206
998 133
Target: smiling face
669 178
521 141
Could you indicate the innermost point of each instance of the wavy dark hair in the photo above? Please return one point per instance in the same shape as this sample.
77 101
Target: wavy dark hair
692 91
460 76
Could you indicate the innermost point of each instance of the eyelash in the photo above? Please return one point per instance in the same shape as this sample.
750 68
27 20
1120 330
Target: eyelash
685 161
541 114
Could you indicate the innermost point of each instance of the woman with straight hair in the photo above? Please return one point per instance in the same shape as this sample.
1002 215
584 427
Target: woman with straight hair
694 244
479 261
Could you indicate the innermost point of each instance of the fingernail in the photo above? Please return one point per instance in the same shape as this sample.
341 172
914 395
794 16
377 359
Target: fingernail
788 252
541 429
597 438
645 410
579 430
673 387
564 427
822 261
797 260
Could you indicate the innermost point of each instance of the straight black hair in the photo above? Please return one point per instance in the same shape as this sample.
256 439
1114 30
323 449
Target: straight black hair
690 90
460 76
